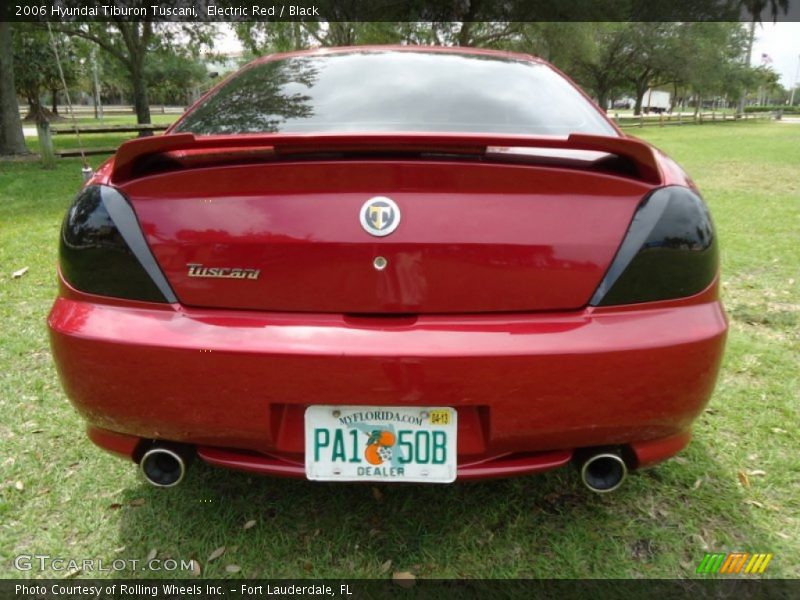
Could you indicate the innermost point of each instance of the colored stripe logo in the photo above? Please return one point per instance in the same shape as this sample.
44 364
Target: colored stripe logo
734 563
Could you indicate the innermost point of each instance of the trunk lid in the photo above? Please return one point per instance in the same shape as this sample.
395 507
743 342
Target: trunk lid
475 235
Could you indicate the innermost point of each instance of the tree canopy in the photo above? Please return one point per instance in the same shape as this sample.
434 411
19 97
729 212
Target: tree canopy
36 70
163 61
135 45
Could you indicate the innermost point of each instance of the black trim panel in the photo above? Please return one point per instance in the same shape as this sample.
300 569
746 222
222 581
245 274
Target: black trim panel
125 219
670 251
103 250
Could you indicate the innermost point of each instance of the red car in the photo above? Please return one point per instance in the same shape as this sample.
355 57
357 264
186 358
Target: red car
391 264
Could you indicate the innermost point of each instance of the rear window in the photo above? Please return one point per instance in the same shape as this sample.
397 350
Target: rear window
386 91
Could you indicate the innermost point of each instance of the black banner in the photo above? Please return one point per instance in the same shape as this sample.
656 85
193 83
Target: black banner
605 589
396 10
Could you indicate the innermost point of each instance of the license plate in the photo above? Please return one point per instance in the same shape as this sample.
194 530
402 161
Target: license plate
379 443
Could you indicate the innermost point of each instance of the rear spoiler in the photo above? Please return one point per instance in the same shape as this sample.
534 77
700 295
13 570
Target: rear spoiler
133 153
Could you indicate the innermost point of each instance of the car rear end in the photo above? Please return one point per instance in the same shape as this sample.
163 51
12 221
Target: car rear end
455 267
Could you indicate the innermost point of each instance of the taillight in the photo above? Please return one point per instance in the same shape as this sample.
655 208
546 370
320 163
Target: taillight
670 251
103 250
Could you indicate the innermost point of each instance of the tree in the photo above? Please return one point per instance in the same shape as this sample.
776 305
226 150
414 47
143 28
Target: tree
649 52
264 38
12 140
767 83
706 59
171 76
565 45
129 43
603 66
132 43
756 8
260 38
490 34
36 67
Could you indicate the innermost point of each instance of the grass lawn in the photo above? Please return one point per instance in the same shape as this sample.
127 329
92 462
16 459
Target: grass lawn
112 119
64 141
735 488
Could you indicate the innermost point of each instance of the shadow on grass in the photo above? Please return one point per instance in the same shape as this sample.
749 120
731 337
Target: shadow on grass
659 524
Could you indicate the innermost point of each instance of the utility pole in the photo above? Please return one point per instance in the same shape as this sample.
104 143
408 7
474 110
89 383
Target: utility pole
98 105
796 77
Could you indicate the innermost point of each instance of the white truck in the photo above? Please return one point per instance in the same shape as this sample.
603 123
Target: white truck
655 101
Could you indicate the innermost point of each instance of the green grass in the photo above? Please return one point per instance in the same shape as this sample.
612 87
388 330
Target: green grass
65 141
78 502
115 119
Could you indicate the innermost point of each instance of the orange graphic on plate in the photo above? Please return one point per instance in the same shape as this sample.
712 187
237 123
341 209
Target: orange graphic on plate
379 446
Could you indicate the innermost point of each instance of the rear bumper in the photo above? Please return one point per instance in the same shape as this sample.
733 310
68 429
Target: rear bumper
640 454
529 388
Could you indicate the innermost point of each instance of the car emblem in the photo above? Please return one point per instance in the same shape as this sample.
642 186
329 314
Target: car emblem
198 270
380 216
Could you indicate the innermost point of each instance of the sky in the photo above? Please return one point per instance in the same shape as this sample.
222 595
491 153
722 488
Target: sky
779 41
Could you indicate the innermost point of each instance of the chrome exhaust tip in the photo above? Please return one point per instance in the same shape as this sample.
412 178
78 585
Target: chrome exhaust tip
164 467
604 472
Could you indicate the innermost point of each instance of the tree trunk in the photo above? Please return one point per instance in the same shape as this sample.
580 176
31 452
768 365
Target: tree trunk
602 99
640 86
637 108
45 143
37 112
748 58
55 101
12 140
141 102
674 100
340 34
465 34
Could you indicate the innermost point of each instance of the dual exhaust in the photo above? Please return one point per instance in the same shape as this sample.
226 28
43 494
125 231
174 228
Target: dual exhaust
165 466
